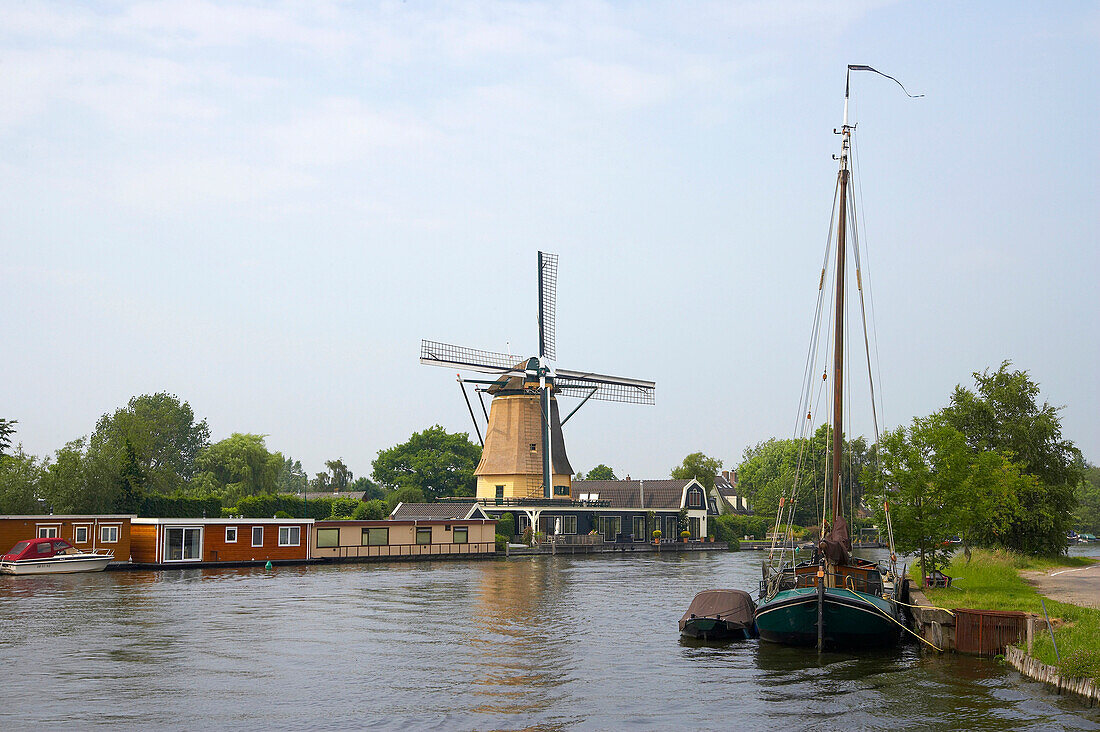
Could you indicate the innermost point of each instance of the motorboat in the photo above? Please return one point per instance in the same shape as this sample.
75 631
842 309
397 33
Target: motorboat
52 556
720 615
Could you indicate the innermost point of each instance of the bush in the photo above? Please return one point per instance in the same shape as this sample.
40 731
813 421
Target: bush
343 508
268 504
404 495
282 514
528 536
374 510
734 526
506 525
180 507
502 543
1081 664
734 545
656 533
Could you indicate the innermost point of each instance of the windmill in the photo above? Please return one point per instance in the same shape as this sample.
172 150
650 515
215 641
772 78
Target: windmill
524 450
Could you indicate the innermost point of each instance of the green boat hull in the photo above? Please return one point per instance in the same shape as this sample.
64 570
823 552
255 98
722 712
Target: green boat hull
850 619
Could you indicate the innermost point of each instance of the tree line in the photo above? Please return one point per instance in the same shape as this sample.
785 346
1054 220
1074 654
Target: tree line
155 448
991 468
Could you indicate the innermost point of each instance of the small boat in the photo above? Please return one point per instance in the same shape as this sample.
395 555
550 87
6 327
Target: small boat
52 556
720 615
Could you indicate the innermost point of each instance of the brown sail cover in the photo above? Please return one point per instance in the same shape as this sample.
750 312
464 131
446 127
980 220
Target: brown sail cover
733 606
836 545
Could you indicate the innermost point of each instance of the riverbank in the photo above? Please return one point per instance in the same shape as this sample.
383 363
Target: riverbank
994 581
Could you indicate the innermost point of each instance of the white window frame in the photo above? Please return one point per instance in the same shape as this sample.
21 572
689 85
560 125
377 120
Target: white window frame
254 530
103 532
235 533
183 545
297 530
48 531
76 535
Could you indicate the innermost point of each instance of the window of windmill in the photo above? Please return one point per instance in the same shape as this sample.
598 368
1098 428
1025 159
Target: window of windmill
561 490
534 447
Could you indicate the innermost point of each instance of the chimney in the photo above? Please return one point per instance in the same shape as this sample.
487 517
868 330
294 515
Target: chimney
726 475
627 478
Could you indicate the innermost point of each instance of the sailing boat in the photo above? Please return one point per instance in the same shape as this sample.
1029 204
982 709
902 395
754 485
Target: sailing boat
835 600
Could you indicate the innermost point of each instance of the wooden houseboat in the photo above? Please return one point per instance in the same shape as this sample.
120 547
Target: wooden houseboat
184 541
86 533
413 530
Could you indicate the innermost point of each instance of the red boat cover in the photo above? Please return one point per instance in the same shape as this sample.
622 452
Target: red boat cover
37 549
733 606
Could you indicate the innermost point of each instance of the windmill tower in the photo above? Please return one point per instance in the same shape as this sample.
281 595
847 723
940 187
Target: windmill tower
524 450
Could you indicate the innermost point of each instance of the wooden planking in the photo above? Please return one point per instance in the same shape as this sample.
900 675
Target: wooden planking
14 529
1085 689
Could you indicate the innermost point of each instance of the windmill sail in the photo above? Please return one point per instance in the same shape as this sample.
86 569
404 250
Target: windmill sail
607 388
548 305
434 353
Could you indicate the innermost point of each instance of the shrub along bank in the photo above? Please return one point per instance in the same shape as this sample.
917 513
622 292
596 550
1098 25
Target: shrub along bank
991 580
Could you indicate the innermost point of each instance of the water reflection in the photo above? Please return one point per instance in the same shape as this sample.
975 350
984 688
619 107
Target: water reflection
531 643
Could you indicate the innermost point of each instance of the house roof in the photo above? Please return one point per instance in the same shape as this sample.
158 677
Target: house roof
442 510
723 486
644 494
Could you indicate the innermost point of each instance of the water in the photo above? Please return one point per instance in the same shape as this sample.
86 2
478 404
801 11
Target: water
528 643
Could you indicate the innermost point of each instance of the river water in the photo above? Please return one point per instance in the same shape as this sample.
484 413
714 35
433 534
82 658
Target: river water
527 643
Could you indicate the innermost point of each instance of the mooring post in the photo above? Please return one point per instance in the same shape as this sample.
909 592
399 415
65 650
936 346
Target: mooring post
820 609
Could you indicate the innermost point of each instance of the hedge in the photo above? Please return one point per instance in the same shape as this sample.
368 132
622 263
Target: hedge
180 507
266 506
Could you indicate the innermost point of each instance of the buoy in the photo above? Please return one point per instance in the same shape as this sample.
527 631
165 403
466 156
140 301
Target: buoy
268 565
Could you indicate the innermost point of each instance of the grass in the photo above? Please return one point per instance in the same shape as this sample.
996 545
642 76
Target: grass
991 581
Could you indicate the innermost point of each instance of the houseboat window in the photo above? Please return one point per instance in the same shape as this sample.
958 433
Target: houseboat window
694 500
80 534
290 535
461 535
108 534
639 528
328 538
47 532
568 524
181 545
230 534
609 526
424 535
257 536
378 536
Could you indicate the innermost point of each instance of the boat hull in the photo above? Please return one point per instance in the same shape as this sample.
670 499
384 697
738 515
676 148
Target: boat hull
56 565
711 629
851 619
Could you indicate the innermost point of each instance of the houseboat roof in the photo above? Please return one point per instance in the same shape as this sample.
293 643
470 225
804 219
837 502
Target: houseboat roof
443 510
637 494
68 516
221 521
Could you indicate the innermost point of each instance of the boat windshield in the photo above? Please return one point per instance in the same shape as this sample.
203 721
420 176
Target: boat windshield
18 548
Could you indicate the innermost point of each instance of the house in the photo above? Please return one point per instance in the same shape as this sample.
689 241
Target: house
413 530
619 510
88 533
182 541
724 494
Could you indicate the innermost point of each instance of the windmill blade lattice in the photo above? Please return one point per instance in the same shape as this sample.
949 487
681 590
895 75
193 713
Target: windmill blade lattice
434 353
548 305
607 388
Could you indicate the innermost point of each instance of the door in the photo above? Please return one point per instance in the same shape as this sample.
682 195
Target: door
182 544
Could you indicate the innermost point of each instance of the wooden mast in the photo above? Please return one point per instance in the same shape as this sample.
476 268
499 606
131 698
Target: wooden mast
838 350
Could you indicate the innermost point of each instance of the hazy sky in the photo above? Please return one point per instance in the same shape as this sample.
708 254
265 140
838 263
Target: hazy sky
263 207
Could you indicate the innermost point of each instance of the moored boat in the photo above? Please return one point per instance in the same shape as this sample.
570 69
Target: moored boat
836 600
720 615
52 556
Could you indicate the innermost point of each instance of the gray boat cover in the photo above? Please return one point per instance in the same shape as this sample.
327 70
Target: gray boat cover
733 606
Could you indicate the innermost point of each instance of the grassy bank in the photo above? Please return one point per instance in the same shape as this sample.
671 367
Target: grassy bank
991 581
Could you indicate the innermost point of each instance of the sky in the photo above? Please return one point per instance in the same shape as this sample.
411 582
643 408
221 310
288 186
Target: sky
263 207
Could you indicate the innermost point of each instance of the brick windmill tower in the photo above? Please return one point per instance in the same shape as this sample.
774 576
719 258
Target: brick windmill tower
524 450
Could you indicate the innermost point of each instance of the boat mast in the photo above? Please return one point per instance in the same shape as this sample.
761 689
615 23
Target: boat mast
838 351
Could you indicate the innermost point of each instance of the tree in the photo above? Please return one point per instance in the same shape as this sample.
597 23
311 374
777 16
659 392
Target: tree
601 472
1004 415
20 478
163 434
238 466
937 488
292 478
341 476
368 488
373 510
435 462
132 482
408 494
7 429
1088 501
81 482
700 467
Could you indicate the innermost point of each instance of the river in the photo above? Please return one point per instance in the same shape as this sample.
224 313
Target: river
527 643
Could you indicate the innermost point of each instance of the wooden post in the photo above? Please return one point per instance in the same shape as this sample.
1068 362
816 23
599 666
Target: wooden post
1030 633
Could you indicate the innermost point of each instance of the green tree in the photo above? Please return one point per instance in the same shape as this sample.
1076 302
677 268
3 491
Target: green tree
1088 501
373 510
81 482
700 467
238 466
408 494
434 461
132 482
292 479
368 488
601 472
163 434
20 477
7 429
341 476
1003 414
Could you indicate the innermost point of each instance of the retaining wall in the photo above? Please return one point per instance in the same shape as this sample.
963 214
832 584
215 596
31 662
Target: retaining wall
1085 689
